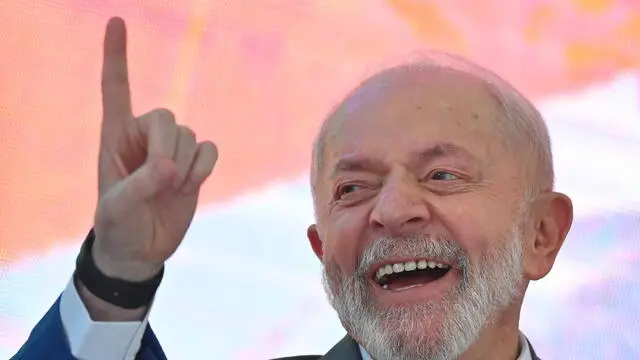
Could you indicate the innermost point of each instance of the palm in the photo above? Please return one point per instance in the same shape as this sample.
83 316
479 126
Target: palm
166 223
159 224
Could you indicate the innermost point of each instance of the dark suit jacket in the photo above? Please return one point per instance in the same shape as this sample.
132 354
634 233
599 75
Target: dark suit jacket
347 349
48 341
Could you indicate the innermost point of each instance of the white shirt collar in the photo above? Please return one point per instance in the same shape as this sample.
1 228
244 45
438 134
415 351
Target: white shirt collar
525 353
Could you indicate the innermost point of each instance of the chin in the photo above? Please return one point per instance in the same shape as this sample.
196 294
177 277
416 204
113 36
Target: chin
406 332
421 322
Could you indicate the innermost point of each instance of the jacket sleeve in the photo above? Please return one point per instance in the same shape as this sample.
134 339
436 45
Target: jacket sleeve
67 332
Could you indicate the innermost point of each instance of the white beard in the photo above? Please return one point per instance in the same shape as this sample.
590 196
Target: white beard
412 332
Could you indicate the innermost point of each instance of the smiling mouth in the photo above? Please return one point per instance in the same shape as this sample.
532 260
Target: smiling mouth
408 274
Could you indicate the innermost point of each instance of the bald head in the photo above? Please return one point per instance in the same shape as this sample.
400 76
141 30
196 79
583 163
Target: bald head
521 129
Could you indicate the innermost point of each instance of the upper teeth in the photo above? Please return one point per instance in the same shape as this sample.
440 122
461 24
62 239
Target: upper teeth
408 266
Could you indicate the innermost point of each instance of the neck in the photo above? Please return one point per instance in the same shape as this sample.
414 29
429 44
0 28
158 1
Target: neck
499 340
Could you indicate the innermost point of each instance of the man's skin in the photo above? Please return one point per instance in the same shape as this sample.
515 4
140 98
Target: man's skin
402 155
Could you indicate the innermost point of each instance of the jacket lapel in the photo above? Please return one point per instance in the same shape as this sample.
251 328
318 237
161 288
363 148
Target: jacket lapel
533 353
346 349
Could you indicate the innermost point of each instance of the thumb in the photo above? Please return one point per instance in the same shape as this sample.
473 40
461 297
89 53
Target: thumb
153 177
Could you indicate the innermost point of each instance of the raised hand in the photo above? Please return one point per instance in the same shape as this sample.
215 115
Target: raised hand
150 173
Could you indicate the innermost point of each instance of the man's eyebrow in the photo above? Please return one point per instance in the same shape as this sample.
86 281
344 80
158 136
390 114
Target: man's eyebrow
358 163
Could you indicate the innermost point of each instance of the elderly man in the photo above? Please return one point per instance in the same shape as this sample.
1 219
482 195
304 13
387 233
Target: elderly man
433 192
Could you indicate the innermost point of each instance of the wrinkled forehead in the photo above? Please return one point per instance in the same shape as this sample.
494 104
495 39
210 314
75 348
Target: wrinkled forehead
408 108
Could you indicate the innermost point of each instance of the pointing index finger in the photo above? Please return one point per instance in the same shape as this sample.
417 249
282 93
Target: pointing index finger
116 96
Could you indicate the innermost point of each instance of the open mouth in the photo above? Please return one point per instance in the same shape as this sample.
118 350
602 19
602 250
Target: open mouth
408 274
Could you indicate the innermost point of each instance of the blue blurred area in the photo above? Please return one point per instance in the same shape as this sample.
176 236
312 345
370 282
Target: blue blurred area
600 318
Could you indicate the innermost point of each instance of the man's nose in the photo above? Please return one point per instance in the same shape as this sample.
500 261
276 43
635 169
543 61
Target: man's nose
400 208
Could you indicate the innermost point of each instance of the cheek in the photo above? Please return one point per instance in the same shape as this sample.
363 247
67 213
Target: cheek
475 225
343 241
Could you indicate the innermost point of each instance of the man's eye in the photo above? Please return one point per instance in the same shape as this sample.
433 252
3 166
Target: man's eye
347 189
444 176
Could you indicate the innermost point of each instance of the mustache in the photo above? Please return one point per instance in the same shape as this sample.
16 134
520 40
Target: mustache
440 247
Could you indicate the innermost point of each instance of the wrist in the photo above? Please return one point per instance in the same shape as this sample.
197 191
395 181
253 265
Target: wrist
100 310
134 271
128 285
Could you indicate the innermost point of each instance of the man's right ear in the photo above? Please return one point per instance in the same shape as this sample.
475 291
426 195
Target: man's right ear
314 240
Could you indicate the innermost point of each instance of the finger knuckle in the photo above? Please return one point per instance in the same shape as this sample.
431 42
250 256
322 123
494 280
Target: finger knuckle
164 116
209 149
187 132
